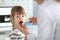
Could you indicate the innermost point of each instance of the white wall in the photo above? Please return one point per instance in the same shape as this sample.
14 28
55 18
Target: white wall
27 4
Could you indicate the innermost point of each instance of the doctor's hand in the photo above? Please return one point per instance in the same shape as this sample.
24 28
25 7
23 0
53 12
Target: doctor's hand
33 20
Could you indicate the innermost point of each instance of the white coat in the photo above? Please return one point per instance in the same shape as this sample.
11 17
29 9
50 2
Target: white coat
49 22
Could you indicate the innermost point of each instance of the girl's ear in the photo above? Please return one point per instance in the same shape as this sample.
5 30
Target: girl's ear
11 19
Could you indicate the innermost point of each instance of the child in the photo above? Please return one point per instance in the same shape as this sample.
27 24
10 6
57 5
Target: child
20 32
18 19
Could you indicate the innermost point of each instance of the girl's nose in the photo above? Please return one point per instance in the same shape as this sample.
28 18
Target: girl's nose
20 18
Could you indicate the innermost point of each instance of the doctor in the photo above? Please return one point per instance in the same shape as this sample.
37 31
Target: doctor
49 22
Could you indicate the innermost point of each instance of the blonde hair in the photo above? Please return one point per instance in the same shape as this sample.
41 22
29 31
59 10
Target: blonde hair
16 10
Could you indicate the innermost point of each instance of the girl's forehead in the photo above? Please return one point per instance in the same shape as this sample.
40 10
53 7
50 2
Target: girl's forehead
19 14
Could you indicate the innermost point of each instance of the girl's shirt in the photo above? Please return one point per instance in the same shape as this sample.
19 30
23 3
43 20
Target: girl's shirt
18 35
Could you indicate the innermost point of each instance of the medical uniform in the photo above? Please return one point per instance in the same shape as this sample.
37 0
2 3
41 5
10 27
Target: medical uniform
49 23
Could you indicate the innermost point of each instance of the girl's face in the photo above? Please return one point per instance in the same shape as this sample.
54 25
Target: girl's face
19 19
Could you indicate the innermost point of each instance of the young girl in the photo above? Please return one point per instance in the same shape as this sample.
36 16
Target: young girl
20 32
17 17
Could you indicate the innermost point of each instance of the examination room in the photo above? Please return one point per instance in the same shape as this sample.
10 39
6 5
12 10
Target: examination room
29 20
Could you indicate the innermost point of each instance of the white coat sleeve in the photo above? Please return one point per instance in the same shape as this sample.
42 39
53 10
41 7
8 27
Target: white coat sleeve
46 26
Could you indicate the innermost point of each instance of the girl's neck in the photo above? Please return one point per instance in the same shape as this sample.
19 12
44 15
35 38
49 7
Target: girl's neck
14 27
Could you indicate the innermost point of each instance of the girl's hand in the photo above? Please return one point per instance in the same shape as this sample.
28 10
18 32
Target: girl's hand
24 30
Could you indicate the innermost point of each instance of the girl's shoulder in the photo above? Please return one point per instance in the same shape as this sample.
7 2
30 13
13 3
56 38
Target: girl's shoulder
15 34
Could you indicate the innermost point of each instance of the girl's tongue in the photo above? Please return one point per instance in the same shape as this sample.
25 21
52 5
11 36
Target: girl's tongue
20 23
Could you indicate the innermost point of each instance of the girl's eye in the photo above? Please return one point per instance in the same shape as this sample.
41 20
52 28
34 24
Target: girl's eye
22 16
17 16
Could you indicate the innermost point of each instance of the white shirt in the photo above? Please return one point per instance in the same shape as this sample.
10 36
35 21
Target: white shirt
49 23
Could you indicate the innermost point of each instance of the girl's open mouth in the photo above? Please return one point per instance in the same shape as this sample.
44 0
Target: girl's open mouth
20 23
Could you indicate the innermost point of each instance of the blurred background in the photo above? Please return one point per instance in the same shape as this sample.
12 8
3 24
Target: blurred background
5 11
